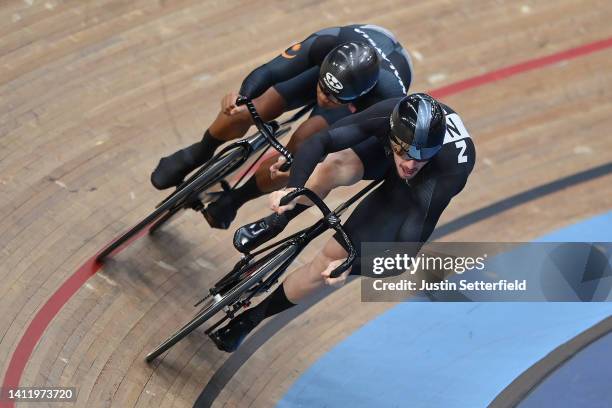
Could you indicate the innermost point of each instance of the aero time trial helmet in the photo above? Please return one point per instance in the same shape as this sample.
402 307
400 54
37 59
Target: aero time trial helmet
349 71
418 126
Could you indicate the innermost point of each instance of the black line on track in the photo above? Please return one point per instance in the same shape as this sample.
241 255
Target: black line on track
522 385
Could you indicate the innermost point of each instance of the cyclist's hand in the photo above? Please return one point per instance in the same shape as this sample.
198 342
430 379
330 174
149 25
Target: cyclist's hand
340 280
228 104
275 168
275 198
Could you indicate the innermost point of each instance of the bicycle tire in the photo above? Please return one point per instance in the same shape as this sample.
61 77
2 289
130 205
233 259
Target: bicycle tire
177 198
227 299
282 131
163 220
158 212
215 178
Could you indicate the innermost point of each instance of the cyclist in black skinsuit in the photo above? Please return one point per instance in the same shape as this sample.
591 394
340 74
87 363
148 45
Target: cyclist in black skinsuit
429 156
344 69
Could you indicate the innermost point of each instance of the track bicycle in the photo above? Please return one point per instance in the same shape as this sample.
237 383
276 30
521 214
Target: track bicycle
256 273
193 193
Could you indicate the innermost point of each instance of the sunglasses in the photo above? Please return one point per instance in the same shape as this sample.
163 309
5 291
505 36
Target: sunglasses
403 151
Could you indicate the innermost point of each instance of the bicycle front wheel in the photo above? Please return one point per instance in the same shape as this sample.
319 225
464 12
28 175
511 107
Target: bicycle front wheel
226 299
208 176
163 219
133 232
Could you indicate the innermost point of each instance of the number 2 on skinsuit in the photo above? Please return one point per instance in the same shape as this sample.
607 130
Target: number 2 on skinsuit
462 158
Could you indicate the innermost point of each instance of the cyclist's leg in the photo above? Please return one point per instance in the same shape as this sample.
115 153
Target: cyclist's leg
261 183
375 218
300 283
365 161
270 105
303 281
172 169
343 168
378 217
306 279
401 212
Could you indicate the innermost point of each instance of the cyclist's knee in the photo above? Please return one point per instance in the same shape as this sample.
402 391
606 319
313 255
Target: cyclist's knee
241 119
270 104
324 176
332 255
308 128
332 164
229 127
332 251
309 277
338 169
319 263
314 269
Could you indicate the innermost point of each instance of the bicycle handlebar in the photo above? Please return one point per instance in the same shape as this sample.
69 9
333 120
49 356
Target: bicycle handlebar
332 220
266 131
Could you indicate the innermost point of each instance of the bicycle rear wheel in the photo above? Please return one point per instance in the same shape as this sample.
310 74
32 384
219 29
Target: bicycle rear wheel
226 299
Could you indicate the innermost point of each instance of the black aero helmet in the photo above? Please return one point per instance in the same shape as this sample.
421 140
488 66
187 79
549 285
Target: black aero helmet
418 126
349 71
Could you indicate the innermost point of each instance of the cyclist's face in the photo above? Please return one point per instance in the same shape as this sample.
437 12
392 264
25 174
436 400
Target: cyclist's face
407 168
326 101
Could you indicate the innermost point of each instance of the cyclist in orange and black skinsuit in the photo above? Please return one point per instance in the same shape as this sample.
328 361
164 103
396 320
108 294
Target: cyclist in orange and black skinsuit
297 77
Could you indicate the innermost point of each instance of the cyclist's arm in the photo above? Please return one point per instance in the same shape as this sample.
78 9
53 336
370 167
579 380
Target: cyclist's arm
292 62
345 133
325 142
317 146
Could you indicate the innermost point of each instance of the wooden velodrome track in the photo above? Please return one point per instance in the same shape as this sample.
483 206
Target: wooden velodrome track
92 93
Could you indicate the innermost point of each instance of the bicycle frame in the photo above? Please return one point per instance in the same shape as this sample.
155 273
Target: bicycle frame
296 243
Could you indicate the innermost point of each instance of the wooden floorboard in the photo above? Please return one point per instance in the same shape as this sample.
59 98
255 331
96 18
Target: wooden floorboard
93 93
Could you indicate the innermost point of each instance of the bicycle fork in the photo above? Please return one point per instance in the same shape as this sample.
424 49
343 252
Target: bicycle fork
263 285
